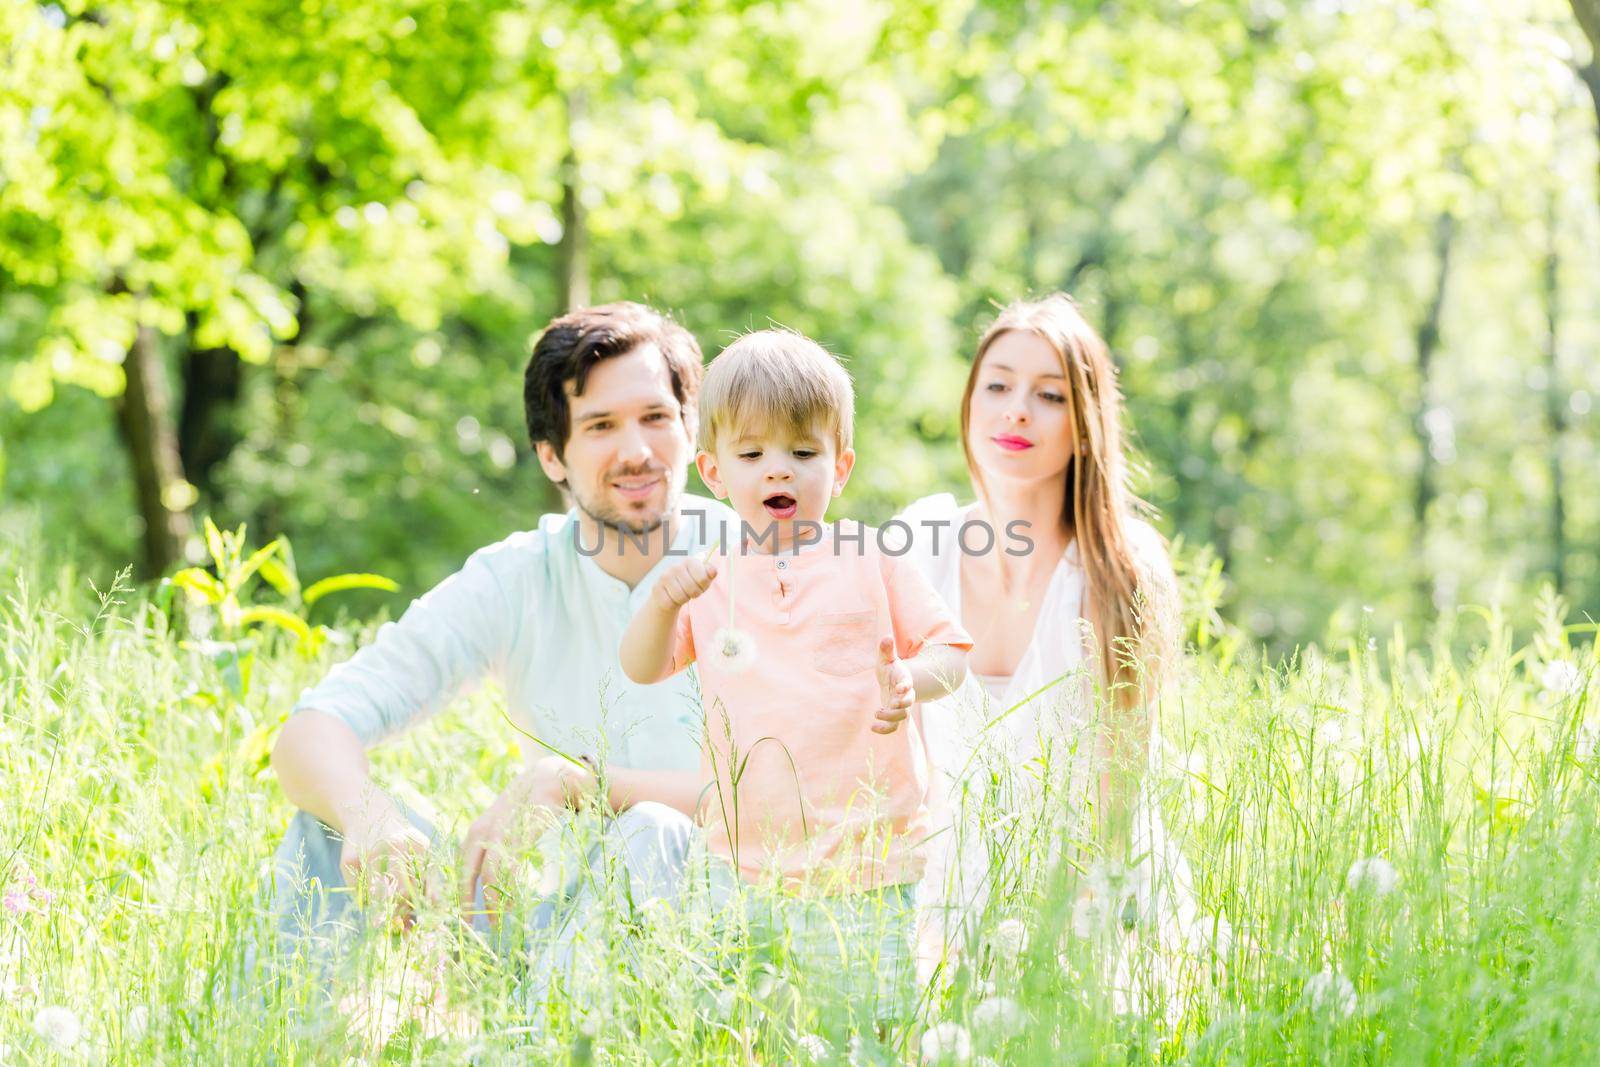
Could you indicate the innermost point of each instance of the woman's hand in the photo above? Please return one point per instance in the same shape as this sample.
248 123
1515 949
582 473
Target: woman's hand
514 821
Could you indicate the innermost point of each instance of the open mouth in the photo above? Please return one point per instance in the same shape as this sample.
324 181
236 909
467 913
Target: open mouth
780 506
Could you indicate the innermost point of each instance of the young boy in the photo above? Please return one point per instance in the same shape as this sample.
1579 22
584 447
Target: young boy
813 645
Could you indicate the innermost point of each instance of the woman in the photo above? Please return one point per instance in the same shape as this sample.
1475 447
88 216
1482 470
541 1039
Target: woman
1073 634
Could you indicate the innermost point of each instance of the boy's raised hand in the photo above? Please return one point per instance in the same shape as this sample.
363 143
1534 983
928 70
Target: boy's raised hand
684 582
895 689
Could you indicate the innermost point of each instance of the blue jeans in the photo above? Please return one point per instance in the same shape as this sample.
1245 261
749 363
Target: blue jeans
316 916
854 949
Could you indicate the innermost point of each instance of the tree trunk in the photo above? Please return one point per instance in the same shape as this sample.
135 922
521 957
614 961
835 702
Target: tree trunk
1427 343
1099 247
1555 408
144 419
207 430
574 249
270 515
1588 15
1189 495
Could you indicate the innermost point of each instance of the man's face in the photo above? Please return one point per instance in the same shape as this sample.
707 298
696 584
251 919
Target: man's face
628 452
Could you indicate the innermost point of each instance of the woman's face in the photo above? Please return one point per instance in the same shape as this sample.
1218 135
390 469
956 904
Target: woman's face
1020 424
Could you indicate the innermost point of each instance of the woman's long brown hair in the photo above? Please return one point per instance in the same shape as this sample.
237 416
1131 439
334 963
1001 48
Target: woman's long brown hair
1130 596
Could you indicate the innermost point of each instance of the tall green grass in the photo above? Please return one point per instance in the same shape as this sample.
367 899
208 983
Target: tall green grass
1395 853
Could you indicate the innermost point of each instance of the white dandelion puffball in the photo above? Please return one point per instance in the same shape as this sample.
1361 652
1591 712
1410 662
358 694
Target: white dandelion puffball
1213 935
58 1027
1373 874
1331 993
998 1020
1009 940
1113 882
947 1043
137 1023
1090 918
815 1048
733 649
1585 744
1561 678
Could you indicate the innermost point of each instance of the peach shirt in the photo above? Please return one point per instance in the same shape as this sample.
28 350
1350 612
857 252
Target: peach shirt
821 799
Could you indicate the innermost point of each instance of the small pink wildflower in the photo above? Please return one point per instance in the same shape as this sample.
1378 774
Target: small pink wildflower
25 895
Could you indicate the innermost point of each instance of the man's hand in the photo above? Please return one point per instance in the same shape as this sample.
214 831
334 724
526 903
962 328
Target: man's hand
683 582
516 818
381 846
896 690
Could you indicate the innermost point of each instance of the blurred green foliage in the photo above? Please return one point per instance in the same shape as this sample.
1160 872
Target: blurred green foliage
343 224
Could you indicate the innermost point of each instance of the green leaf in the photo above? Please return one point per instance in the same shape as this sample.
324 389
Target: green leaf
276 617
257 558
200 584
281 578
340 582
214 544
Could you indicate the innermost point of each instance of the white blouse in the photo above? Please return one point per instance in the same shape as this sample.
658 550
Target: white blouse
1002 747
1052 668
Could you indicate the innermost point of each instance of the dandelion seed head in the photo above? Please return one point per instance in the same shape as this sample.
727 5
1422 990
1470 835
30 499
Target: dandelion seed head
1561 679
1111 893
1089 918
1110 880
1586 742
1372 874
734 650
814 1048
1212 934
946 1043
998 1019
1008 940
719 1006
1330 993
59 1027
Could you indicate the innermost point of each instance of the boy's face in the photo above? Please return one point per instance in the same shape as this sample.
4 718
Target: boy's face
777 477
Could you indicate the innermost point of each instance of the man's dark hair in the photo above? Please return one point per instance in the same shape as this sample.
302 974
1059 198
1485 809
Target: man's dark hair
571 345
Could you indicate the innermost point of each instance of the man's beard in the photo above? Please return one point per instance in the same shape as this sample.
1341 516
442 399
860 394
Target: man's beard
611 519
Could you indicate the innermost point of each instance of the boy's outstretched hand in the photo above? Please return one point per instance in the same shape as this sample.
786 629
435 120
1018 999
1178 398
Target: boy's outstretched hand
895 689
684 582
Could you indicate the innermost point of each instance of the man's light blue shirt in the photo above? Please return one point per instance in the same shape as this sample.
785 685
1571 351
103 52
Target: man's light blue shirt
536 613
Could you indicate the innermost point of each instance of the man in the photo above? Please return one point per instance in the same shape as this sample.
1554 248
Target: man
610 398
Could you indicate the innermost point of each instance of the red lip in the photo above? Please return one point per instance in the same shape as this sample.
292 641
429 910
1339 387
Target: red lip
1011 443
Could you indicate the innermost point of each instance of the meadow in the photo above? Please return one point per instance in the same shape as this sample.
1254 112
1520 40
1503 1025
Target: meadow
1393 844
281 264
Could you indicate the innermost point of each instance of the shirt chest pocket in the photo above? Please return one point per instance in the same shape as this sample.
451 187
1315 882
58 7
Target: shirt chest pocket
845 643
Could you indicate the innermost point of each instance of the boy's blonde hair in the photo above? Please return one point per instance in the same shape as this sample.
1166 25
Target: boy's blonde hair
776 378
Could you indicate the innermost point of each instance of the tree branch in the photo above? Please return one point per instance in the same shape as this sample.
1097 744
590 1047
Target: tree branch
1100 246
